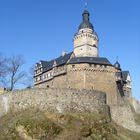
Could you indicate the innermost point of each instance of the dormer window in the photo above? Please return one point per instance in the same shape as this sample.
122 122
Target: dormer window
54 64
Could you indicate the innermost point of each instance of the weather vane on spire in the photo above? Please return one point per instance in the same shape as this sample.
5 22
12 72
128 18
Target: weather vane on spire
117 58
86 4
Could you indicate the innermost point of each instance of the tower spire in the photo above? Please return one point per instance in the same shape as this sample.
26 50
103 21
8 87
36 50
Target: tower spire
86 40
86 21
117 58
86 5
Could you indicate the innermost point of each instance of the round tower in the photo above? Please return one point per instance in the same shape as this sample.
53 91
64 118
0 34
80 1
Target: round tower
86 40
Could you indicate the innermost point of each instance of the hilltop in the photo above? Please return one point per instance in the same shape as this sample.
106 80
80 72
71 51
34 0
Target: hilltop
37 125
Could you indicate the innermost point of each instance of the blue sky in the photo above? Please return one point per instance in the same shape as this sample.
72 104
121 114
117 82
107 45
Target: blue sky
42 29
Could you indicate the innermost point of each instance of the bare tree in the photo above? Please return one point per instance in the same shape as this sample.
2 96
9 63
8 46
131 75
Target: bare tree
29 78
2 67
14 71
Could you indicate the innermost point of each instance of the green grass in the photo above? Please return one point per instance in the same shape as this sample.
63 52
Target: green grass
51 126
137 118
35 123
127 135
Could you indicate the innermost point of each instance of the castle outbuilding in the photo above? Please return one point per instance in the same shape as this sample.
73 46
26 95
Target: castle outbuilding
84 68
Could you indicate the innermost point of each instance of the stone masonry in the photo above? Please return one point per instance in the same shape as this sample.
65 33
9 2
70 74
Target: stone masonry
67 100
57 100
83 76
124 116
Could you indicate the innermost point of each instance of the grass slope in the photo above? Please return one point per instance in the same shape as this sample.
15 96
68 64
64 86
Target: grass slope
36 125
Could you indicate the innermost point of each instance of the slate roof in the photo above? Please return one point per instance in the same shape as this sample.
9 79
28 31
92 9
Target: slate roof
62 60
48 65
90 60
86 23
117 65
124 75
43 63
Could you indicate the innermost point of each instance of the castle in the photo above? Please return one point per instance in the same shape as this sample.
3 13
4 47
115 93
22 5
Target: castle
84 68
79 81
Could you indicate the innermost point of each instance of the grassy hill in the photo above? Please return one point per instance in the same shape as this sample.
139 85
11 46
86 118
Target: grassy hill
37 125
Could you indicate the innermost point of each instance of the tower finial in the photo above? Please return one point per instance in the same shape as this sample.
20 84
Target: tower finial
86 5
117 58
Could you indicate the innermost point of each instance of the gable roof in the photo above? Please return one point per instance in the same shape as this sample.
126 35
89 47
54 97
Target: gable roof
63 59
48 65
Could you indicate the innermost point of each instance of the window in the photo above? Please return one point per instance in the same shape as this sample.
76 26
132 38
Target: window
36 72
38 78
44 76
35 79
49 75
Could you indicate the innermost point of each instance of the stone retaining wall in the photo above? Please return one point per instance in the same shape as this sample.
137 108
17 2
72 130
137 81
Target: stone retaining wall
136 105
67 100
123 115
59 100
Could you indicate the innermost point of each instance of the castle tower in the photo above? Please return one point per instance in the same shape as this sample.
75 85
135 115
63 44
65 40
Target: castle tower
86 40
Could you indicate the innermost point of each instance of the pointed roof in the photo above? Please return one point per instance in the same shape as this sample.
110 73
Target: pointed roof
86 21
48 65
117 65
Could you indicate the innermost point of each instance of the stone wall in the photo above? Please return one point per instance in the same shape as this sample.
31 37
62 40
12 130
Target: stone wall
86 76
67 100
59 100
136 105
124 116
86 43
97 77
